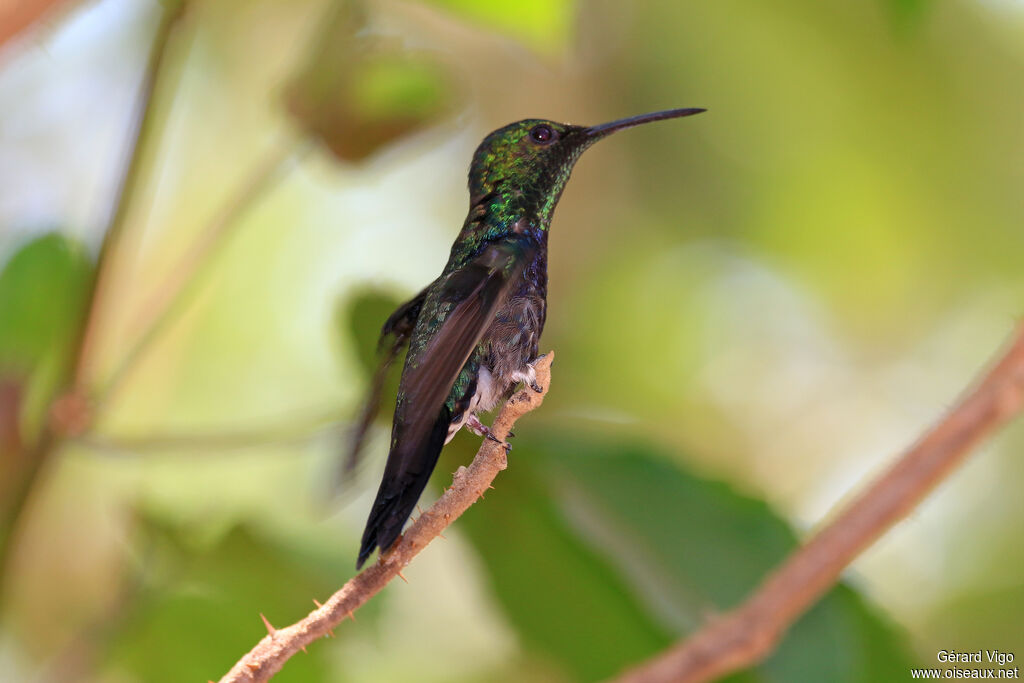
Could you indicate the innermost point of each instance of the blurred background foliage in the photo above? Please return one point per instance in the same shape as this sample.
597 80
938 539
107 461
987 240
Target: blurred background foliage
754 310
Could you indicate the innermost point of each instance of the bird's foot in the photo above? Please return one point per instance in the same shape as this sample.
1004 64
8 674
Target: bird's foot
528 376
474 425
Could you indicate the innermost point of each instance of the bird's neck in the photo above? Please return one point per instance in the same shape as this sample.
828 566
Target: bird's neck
495 216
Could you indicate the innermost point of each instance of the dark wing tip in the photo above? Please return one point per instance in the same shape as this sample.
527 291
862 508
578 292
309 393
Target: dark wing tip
382 530
364 553
373 532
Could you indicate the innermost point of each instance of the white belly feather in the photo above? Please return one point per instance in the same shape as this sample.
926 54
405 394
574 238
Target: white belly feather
486 397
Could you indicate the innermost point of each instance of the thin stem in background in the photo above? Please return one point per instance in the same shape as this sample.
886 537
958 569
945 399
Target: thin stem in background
299 428
126 190
172 297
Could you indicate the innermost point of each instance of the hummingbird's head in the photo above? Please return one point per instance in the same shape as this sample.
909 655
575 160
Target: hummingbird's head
527 163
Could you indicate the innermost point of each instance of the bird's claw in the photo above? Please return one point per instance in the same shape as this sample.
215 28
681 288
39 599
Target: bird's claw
492 437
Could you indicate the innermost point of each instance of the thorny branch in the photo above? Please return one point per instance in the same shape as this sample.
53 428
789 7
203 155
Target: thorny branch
270 654
742 637
126 191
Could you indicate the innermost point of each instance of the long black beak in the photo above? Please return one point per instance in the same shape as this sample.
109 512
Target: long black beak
612 126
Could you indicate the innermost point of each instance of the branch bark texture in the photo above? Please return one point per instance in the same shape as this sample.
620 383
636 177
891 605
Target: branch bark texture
469 484
742 637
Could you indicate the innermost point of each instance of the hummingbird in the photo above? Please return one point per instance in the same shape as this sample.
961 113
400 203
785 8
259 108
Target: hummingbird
473 333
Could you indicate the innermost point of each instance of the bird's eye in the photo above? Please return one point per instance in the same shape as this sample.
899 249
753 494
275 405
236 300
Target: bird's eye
542 134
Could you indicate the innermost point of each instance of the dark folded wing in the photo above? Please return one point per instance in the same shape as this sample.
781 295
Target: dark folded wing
465 306
394 336
453 320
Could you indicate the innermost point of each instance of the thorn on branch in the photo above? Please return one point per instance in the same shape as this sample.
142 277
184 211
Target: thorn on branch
270 627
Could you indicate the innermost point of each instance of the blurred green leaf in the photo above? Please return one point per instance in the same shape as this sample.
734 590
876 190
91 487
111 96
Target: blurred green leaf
568 604
739 538
359 317
545 25
394 83
690 545
358 92
42 292
603 553
201 608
